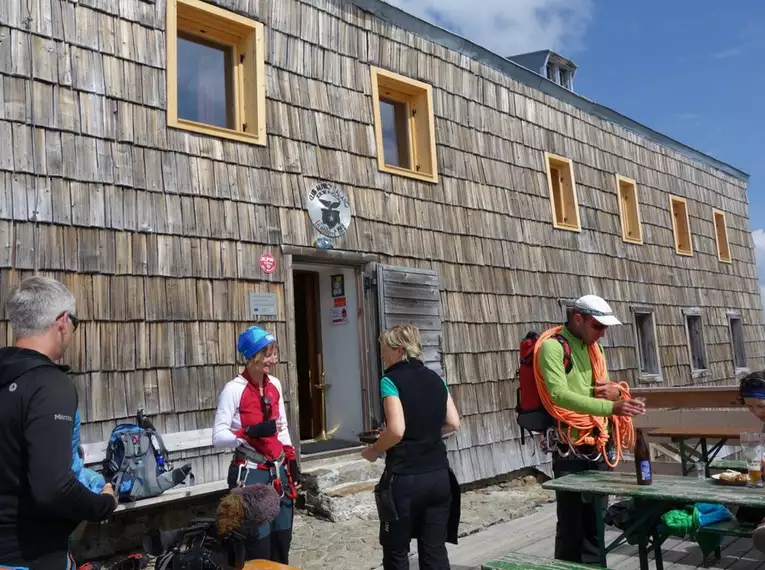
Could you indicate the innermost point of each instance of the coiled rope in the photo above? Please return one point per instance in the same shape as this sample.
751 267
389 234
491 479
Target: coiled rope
587 424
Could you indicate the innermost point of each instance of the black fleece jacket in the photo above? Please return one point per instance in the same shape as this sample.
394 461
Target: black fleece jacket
41 501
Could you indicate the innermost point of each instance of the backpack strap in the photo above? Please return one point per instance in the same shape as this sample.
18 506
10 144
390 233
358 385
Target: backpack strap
568 362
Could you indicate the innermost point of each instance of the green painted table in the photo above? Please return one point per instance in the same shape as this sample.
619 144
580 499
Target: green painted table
520 561
734 464
652 502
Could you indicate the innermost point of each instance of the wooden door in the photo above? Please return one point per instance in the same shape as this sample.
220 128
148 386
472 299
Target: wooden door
308 352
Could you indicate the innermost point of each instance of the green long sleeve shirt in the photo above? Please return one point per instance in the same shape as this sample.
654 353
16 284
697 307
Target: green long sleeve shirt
573 391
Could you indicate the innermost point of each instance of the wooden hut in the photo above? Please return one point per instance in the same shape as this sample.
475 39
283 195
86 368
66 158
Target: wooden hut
182 165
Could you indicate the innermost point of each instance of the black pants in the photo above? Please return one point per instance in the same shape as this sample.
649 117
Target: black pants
576 537
422 502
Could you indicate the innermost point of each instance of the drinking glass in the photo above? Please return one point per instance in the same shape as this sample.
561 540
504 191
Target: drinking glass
752 446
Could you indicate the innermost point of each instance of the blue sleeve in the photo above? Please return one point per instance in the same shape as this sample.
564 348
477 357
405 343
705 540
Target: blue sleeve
387 388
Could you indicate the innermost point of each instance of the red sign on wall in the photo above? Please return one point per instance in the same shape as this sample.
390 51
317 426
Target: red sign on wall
267 263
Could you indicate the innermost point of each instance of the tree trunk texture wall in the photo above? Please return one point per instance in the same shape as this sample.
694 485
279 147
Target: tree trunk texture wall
158 231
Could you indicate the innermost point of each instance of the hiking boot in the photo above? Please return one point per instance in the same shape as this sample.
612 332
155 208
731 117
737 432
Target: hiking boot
758 537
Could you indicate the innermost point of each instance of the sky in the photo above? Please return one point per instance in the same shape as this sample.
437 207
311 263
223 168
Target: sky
690 69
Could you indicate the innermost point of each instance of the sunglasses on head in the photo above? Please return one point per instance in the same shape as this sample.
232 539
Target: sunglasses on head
74 320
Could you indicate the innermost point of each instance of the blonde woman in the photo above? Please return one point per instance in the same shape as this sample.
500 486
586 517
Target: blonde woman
251 418
418 495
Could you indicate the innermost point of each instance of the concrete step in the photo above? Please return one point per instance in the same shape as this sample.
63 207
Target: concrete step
340 489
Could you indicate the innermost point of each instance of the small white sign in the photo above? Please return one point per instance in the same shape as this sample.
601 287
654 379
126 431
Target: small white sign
263 304
338 315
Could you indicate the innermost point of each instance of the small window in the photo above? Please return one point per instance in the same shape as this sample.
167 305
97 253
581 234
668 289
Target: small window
560 181
551 72
404 125
737 342
721 233
629 210
215 72
695 332
681 225
646 344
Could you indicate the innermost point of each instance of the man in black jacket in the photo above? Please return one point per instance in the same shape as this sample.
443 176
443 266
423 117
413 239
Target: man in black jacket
41 501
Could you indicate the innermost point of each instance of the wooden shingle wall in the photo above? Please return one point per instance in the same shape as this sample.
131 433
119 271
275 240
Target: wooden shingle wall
158 232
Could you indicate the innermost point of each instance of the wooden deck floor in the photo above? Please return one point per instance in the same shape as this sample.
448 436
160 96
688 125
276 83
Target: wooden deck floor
737 554
534 534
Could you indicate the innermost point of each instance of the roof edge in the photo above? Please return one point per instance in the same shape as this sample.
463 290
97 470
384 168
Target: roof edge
455 42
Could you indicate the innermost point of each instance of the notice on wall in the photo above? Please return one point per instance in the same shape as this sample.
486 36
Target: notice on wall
339 315
263 304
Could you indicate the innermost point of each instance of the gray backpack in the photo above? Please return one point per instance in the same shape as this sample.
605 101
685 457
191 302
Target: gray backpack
136 462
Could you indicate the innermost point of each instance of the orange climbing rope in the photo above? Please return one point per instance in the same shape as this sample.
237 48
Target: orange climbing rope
586 424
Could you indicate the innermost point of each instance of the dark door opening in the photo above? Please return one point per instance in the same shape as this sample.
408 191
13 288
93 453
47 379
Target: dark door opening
308 352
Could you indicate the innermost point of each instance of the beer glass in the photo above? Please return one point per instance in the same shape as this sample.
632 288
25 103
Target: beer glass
752 446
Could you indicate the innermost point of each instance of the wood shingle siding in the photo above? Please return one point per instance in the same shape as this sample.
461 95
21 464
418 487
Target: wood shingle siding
158 231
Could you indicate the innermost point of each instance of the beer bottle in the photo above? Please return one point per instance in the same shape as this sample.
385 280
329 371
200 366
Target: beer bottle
642 460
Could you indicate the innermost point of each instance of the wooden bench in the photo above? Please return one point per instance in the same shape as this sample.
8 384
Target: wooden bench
520 561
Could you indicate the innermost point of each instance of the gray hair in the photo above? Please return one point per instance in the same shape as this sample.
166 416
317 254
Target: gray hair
35 304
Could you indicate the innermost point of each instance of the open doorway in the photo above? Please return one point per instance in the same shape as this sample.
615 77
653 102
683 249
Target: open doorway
328 357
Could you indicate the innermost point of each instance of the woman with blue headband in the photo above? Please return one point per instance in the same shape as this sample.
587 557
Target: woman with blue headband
251 418
752 393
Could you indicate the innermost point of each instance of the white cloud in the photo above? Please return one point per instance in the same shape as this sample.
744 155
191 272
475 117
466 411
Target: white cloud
726 53
759 241
759 251
509 27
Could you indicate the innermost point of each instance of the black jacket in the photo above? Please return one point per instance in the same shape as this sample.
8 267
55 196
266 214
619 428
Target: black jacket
41 501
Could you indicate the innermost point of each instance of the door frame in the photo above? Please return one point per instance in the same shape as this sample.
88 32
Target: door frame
364 266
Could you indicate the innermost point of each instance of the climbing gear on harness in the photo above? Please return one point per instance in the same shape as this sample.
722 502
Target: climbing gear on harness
243 456
593 430
531 414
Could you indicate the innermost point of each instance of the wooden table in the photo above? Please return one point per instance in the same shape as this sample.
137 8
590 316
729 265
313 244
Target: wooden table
680 435
652 502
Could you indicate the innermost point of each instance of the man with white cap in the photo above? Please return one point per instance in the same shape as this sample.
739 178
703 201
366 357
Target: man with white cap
565 364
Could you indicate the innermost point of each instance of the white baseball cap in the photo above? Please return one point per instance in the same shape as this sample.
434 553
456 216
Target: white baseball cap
597 308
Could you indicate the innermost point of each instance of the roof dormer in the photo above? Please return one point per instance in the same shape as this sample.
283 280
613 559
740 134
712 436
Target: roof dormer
549 65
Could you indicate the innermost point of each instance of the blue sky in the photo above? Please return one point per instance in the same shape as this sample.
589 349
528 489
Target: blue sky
692 70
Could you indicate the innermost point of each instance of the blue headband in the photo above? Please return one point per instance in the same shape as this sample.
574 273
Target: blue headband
758 393
253 340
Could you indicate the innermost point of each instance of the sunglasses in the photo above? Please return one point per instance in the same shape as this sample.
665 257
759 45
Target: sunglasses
595 324
74 320
266 407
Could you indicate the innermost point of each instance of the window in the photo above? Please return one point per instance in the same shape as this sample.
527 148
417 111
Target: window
681 225
694 331
215 72
404 125
629 210
721 233
646 345
737 342
560 181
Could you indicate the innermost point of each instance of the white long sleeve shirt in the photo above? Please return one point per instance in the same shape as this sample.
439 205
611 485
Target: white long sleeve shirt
228 420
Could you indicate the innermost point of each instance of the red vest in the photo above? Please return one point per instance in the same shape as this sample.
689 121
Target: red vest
251 413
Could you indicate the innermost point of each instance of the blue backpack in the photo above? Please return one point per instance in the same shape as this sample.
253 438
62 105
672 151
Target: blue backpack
136 462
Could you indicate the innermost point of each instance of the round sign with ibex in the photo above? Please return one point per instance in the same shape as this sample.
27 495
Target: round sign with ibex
329 209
